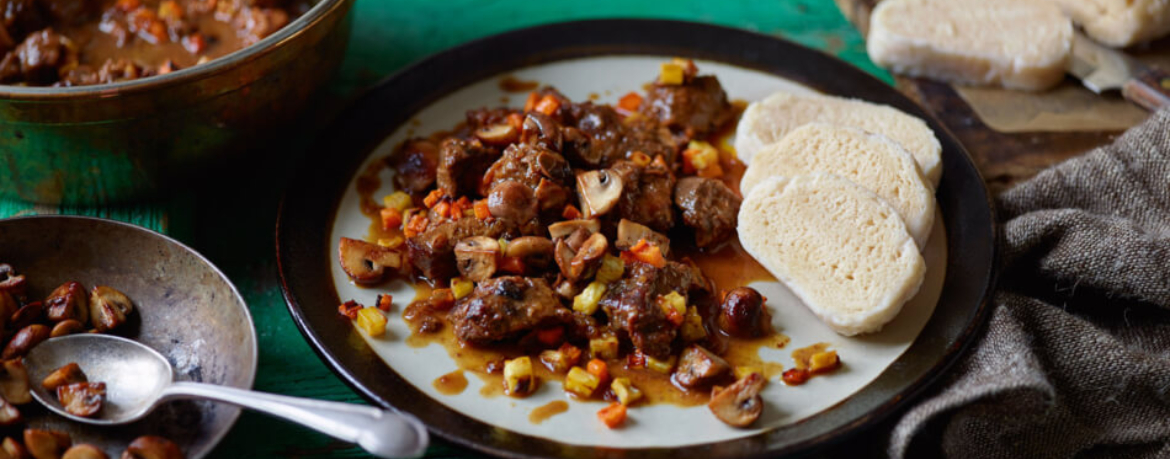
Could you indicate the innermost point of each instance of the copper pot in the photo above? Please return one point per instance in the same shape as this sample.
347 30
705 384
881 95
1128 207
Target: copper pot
119 142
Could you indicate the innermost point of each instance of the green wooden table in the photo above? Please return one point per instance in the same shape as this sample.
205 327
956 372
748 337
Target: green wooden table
233 226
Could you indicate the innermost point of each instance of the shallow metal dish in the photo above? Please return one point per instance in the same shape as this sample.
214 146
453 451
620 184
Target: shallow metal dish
116 142
186 309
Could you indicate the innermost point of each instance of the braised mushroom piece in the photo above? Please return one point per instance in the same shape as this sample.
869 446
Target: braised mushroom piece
152 447
532 251
14 384
66 327
739 405
477 257
599 191
84 452
108 308
69 374
25 339
14 448
699 367
46 444
9 414
83 399
743 314
69 301
364 262
11 282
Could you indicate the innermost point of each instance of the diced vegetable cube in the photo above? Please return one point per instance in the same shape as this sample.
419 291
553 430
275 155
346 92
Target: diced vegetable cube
384 302
372 321
555 360
613 415
611 269
625 391
519 379
391 218
598 368
605 347
581 382
823 362
692 327
397 200
587 301
795 376
461 287
671 74
673 301
646 252
661 366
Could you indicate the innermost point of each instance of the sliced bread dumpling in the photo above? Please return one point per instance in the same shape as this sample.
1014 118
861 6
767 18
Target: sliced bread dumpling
873 161
766 121
1017 44
1120 23
841 249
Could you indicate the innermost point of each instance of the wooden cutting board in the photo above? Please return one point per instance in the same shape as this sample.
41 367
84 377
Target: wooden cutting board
1013 135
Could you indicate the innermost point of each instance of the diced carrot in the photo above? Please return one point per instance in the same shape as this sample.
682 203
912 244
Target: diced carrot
516 120
391 218
548 105
659 162
712 171
688 157
349 309
550 336
512 265
673 316
572 353
795 376
482 211
433 198
169 10
385 302
530 104
571 212
636 359
443 208
647 253
613 415
418 223
598 368
629 103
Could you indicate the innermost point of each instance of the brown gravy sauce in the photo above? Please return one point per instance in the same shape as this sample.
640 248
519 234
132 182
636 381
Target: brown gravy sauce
512 84
548 410
453 383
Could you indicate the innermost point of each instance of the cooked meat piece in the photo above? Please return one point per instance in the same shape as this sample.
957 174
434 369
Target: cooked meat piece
692 109
709 207
597 137
543 171
255 24
646 195
699 367
632 307
416 164
485 117
40 57
432 252
462 164
505 307
21 17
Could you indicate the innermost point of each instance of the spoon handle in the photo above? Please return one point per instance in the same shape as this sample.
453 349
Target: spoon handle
383 433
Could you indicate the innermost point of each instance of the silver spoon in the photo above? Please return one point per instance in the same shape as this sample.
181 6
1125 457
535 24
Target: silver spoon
138 379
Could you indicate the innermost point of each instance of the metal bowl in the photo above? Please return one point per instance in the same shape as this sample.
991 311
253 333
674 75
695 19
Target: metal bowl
118 142
186 309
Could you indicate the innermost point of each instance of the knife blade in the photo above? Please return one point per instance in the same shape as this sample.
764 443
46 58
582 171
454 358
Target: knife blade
1102 69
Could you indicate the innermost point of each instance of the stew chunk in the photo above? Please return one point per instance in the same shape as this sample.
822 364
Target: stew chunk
709 207
505 307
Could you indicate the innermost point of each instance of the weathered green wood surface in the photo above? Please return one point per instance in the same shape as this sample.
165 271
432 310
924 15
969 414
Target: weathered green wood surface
231 221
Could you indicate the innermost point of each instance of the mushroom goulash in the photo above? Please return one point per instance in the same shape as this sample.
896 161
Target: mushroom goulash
83 42
567 233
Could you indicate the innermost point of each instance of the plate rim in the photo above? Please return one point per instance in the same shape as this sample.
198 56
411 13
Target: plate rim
554 46
255 348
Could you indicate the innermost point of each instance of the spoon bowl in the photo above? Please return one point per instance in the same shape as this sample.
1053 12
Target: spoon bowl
135 375
138 379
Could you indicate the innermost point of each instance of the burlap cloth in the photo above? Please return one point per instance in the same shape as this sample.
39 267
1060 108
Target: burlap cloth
1075 361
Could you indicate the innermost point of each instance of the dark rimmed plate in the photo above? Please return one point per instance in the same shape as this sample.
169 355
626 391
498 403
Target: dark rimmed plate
307 214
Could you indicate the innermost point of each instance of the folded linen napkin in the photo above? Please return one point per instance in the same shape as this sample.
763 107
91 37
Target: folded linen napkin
1075 361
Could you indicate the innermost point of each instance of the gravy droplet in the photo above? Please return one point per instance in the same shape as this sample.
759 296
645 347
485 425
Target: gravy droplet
543 412
452 383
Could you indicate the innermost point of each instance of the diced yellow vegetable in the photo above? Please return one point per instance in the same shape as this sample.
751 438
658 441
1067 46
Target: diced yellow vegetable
461 287
503 245
625 391
372 321
581 382
692 327
555 360
392 242
605 347
661 366
519 379
673 301
671 73
823 361
704 154
611 269
586 302
397 200
744 371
